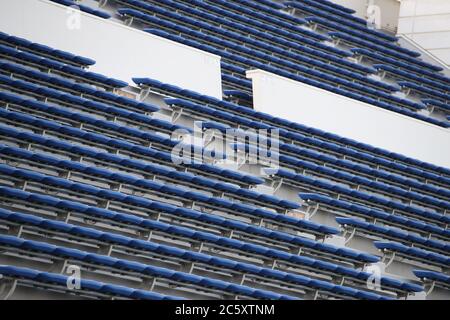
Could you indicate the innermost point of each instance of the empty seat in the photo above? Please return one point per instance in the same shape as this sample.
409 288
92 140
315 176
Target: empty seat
395 234
411 253
57 282
59 55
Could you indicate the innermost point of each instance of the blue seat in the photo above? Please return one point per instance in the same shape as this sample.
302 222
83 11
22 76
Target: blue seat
146 269
432 275
397 63
423 79
414 253
58 55
264 56
87 285
436 103
417 225
334 9
431 92
71 85
380 46
123 144
395 205
228 242
398 234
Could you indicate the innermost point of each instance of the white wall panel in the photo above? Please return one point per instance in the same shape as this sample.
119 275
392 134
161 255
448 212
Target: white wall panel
350 118
427 24
389 10
120 51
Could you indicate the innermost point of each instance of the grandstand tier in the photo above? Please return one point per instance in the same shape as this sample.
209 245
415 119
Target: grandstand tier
105 176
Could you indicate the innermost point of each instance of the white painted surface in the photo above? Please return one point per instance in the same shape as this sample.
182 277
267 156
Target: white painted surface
120 51
427 23
314 107
389 10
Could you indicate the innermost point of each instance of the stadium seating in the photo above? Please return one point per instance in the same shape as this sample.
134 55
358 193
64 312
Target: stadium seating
55 282
44 51
295 132
89 176
205 16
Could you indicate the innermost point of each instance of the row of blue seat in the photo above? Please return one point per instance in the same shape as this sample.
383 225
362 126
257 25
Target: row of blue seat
254 10
397 72
89 106
43 278
272 4
395 178
185 232
362 29
149 168
333 11
336 6
240 22
284 134
203 236
300 153
213 112
414 253
152 169
236 83
395 234
231 68
397 63
345 177
353 209
294 135
271 49
200 281
57 66
235 176
170 251
363 197
433 276
44 50
155 186
69 85
333 252
374 87
136 268
392 106
241 31
425 90
288 221
267 50
84 8
438 104
16 173
141 137
390 50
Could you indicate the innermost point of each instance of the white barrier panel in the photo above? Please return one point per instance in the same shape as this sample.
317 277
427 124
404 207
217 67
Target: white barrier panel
317 108
427 23
120 51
